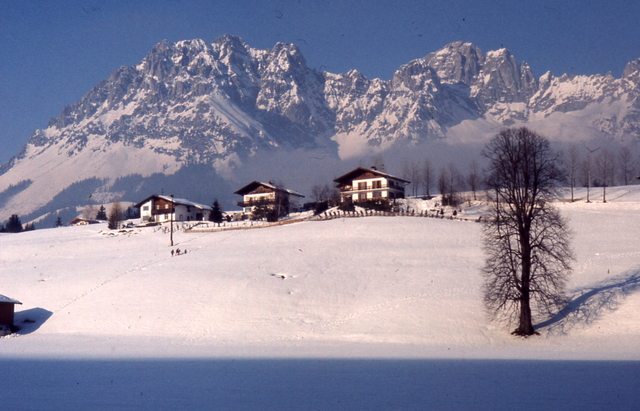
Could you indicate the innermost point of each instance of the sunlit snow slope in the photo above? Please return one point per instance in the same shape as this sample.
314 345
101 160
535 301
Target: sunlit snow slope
368 287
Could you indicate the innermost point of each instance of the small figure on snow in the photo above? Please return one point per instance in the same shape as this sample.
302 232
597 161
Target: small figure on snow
172 252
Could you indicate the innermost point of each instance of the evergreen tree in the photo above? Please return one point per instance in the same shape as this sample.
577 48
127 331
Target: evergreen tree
59 222
13 224
131 213
264 210
102 214
216 212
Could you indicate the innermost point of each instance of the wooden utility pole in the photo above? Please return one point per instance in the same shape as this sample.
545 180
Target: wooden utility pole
171 222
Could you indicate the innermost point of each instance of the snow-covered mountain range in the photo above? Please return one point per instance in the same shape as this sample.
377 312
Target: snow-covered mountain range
197 119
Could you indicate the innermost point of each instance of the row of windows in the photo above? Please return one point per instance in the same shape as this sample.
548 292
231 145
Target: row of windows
374 184
166 207
363 196
378 195
377 184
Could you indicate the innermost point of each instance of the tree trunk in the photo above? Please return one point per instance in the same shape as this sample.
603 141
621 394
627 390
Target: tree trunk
526 326
572 192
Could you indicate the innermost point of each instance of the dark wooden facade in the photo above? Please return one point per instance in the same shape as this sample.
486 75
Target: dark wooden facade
7 310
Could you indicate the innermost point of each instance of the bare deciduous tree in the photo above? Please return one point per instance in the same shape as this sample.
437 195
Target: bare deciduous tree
626 165
411 172
449 184
605 171
442 183
377 162
474 178
89 212
572 166
454 185
427 177
525 237
321 192
116 214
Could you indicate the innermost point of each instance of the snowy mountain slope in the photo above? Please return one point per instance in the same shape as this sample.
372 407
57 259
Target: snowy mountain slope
227 107
361 287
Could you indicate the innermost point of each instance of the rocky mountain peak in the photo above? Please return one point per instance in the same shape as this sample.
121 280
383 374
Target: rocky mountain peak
501 79
494 77
632 71
457 62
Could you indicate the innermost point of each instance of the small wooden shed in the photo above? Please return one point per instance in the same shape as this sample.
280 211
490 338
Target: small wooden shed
7 310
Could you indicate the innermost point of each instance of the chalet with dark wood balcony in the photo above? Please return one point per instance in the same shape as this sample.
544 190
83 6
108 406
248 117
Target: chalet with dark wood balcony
257 193
364 184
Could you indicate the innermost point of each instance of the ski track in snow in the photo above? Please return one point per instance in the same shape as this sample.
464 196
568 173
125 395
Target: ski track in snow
127 272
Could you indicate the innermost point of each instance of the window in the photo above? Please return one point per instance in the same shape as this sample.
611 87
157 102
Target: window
362 186
377 184
377 194
145 208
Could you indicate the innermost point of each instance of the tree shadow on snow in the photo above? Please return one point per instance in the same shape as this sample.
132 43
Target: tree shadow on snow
589 303
30 320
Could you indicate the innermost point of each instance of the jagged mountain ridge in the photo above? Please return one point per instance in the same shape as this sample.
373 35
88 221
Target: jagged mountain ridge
201 102
193 103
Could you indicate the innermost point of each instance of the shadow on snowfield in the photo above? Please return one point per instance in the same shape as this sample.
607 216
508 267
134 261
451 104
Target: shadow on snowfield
28 321
589 303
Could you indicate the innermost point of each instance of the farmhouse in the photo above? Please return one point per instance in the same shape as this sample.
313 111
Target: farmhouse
7 309
256 193
83 221
364 184
159 208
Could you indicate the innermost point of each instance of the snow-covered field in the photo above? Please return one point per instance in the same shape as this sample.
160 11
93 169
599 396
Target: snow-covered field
350 313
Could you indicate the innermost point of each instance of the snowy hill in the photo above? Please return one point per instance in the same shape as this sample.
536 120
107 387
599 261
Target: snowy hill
373 288
197 119
404 286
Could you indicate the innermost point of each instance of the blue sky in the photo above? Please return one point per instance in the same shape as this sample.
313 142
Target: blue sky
53 52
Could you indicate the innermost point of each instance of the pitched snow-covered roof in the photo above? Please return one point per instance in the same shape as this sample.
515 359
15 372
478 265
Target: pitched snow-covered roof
353 174
255 184
175 201
184 201
7 300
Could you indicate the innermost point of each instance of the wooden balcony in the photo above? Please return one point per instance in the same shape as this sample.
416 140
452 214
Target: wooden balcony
351 189
253 203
